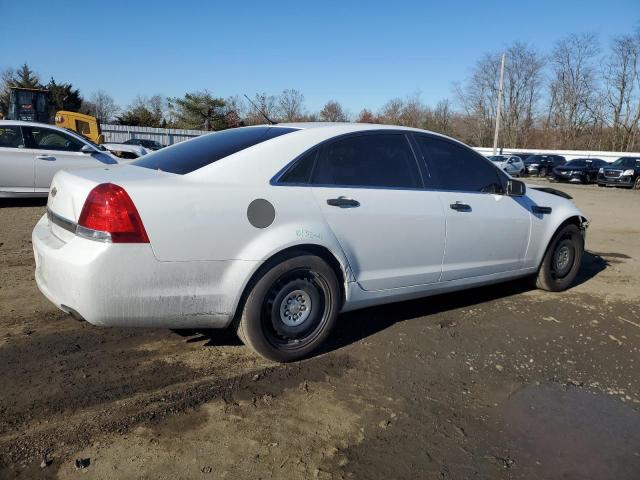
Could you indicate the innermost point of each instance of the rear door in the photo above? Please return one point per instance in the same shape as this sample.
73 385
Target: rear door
52 151
487 232
16 162
370 189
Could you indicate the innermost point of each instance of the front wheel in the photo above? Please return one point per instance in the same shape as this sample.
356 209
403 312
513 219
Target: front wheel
562 260
291 308
636 184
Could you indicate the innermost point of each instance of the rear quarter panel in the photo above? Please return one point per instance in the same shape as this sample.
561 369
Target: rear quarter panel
196 221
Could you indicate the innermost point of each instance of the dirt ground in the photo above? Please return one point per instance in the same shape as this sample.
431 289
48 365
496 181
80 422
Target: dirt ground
503 382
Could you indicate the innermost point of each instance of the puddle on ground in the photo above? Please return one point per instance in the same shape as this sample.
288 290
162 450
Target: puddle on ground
572 434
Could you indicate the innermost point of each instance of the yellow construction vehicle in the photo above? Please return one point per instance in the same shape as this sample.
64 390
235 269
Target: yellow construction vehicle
86 125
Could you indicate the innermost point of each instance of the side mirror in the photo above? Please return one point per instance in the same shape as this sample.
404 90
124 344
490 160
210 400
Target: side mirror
87 149
515 188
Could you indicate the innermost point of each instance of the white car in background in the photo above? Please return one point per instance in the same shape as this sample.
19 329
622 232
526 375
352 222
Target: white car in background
32 153
274 230
512 164
125 151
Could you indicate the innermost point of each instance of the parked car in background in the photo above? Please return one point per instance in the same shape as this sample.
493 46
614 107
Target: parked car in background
542 165
32 153
148 144
126 152
624 172
581 170
511 164
290 223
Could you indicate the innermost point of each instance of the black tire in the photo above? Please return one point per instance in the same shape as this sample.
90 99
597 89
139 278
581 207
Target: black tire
542 172
562 260
636 184
309 284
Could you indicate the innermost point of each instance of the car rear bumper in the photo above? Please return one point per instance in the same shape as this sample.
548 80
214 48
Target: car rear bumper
125 285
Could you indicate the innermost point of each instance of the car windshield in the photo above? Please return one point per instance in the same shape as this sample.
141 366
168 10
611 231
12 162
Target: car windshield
578 163
626 162
196 153
497 158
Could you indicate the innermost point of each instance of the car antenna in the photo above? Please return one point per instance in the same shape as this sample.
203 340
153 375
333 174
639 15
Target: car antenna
261 112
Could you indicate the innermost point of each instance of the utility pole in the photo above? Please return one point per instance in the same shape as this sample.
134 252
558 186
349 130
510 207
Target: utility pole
495 135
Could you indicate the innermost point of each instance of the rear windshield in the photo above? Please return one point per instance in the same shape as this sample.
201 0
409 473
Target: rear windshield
191 155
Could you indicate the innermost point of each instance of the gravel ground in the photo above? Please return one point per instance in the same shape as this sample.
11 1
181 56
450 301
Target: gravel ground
497 382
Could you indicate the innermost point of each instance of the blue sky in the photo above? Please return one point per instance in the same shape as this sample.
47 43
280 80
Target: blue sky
359 53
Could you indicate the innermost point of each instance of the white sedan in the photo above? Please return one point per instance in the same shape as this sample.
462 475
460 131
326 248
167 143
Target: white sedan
32 153
274 230
512 164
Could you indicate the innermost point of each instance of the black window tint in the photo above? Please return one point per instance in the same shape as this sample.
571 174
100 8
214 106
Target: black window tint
381 160
301 171
48 139
191 155
458 168
10 137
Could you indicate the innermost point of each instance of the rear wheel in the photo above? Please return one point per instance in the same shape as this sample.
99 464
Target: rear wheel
562 260
291 308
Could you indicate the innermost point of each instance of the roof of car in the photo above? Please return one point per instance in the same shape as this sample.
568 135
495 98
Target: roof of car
25 124
346 126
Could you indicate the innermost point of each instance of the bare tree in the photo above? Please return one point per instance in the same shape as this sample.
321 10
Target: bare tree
367 116
440 119
573 88
522 91
333 112
291 105
622 80
236 104
102 106
6 79
413 112
391 112
265 103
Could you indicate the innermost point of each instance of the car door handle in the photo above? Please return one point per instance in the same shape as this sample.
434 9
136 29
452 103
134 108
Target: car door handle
460 207
343 202
48 158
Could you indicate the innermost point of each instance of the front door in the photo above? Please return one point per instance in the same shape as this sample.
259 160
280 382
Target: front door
52 151
487 232
370 190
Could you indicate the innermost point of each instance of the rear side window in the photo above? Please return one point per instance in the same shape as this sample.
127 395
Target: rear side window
458 168
301 171
191 155
381 160
10 137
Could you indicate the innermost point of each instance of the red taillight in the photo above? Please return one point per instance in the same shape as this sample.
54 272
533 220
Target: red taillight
109 209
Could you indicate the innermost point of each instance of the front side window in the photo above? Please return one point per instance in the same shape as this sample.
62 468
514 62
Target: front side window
10 137
380 160
458 168
48 139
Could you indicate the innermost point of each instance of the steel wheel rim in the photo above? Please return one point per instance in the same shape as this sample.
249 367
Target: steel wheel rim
299 334
295 308
563 258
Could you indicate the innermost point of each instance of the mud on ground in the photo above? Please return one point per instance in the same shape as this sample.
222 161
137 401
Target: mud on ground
498 382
